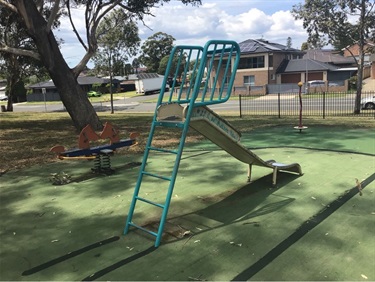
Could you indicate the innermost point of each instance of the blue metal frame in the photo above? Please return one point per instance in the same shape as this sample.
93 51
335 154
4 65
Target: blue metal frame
96 150
224 55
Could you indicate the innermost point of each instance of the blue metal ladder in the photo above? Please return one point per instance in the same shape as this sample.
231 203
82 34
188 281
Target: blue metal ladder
217 62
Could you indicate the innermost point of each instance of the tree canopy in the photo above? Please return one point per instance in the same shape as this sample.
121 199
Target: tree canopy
154 49
164 62
340 23
336 22
117 40
15 67
39 25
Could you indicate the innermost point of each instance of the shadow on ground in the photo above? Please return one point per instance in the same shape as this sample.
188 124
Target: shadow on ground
310 227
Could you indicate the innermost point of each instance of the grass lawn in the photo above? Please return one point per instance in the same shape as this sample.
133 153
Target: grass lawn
25 139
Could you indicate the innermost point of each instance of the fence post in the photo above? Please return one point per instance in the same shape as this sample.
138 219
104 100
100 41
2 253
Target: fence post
278 104
239 96
324 104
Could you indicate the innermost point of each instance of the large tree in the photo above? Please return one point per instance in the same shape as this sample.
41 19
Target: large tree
342 23
14 67
154 49
164 62
39 27
118 40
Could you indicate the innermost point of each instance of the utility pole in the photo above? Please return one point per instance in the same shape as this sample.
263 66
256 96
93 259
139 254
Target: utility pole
110 80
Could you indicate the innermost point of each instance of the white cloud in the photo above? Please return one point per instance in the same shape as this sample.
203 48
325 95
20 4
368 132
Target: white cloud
235 20
211 21
184 22
252 23
284 25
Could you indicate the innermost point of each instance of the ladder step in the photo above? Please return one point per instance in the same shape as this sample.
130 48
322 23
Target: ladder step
163 150
169 124
143 229
150 202
157 176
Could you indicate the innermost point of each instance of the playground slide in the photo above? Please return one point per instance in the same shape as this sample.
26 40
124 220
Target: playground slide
224 135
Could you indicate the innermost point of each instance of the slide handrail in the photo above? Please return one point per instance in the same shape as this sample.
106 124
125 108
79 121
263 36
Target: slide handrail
200 76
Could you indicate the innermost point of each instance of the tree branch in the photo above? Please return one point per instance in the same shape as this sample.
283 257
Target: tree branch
73 26
52 17
9 6
20 52
82 64
39 5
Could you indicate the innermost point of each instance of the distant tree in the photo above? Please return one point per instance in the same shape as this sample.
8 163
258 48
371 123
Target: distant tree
289 42
164 62
345 36
304 46
128 69
14 67
154 49
333 20
39 26
136 65
118 40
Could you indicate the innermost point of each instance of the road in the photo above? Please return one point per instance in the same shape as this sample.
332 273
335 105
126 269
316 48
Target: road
132 105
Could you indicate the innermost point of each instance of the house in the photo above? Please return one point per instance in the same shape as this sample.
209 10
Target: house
260 60
329 56
353 50
47 90
265 65
369 59
128 84
293 71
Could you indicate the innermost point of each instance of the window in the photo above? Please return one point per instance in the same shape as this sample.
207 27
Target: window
249 80
226 81
251 63
270 61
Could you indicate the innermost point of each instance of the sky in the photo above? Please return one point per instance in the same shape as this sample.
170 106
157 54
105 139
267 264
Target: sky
237 20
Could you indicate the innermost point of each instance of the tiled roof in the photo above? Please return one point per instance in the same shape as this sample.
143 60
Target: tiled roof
301 65
327 56
263 46
82 80
87 80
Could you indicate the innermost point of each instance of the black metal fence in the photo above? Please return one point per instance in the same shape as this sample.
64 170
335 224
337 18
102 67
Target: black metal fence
316 104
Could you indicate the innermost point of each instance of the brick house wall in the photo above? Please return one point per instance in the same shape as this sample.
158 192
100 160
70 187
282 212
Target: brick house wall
262 76
352 49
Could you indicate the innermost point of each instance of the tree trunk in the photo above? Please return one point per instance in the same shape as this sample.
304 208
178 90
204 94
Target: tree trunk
73 97
10 82
357 105
12 78
361 43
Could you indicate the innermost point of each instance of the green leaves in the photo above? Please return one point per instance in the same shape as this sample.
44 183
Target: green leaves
336 22
118 40
154 49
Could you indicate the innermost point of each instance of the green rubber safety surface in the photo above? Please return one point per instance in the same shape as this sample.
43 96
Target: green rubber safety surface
219 227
